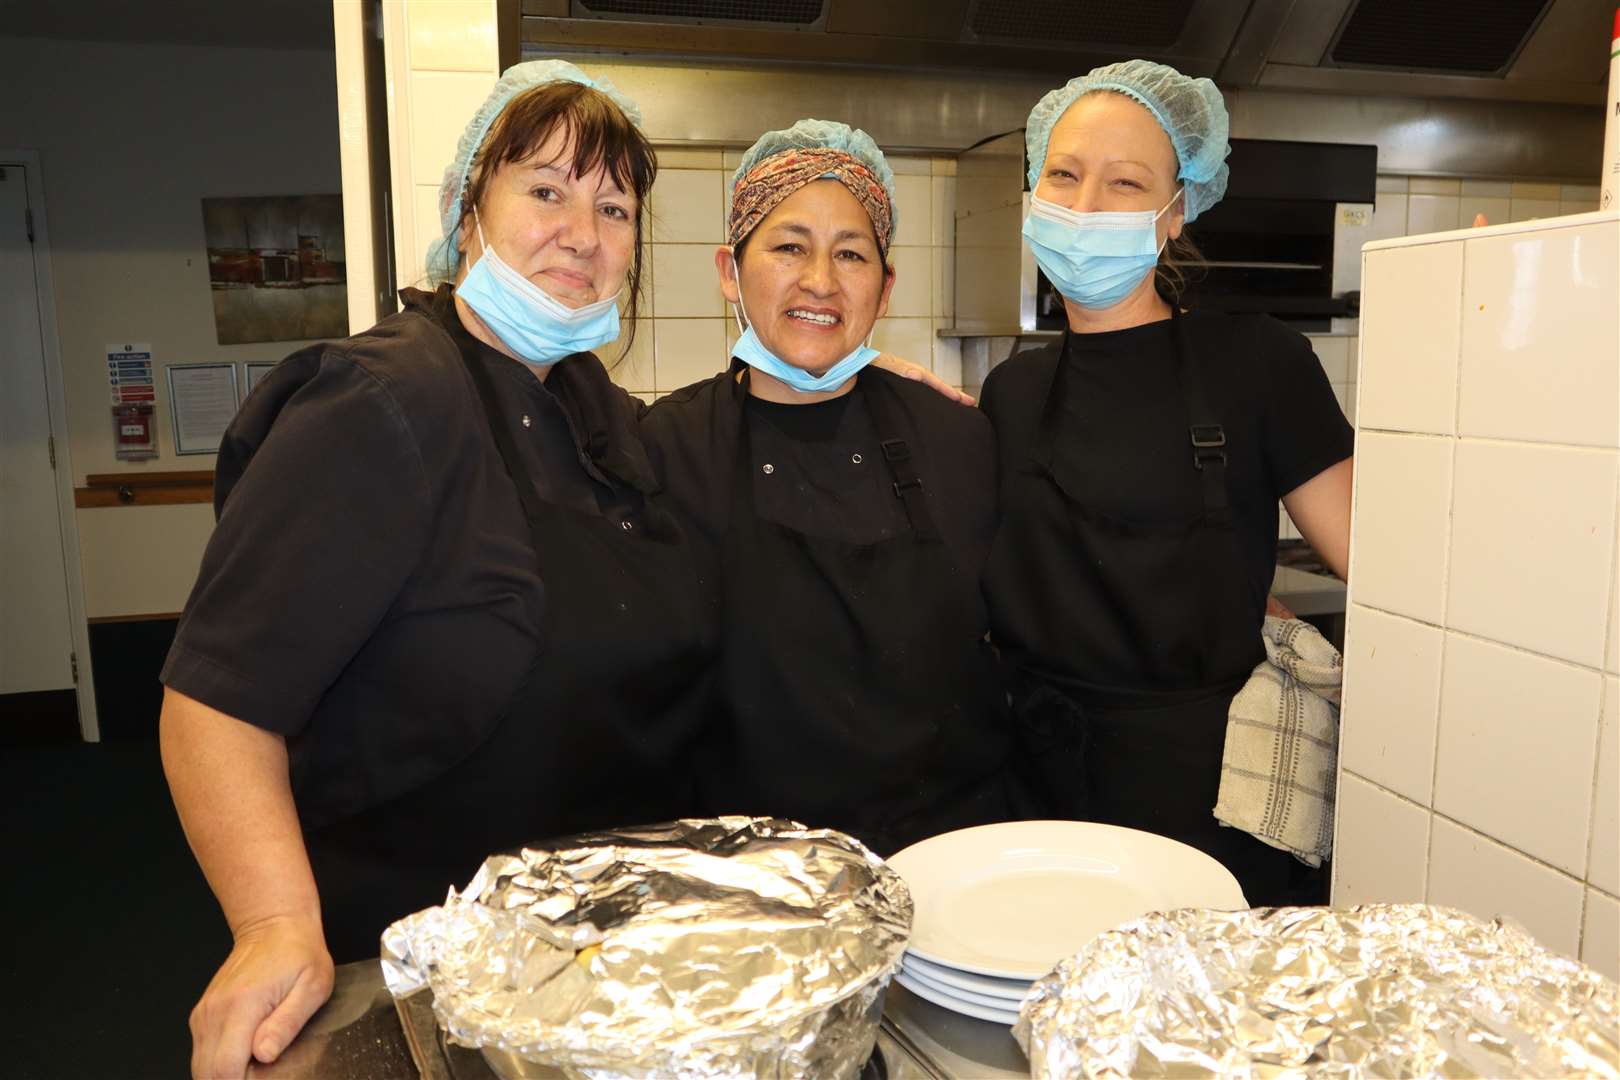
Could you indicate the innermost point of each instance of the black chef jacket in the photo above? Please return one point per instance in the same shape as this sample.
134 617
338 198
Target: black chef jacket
1122 440
370 590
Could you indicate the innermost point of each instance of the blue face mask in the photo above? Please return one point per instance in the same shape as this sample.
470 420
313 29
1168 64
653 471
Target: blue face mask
751 351
535 325
1094 259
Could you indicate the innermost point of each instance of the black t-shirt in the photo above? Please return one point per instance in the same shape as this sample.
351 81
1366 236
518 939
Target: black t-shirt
827 475
1123 441
370 590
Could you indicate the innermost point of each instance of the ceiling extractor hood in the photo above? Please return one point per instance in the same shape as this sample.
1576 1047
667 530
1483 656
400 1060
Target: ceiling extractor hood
1553 51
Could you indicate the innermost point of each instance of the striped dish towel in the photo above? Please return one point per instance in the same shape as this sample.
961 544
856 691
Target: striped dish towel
1282 744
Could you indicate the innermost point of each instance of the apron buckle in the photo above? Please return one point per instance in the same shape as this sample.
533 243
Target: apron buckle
896 450
903 486
1206 441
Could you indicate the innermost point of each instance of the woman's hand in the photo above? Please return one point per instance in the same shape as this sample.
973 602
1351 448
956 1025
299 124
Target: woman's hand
907 370
277 975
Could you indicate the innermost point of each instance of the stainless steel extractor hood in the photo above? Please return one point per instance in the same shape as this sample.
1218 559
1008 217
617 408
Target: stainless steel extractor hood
1547 51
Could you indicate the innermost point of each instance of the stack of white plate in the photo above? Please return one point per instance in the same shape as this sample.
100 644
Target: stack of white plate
999 905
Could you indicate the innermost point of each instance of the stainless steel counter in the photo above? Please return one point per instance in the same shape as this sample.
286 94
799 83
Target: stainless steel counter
360 1035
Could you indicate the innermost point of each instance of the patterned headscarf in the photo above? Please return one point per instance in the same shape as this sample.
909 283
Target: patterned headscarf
763 183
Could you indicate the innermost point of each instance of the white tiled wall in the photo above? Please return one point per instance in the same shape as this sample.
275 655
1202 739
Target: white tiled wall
1480 763
687 327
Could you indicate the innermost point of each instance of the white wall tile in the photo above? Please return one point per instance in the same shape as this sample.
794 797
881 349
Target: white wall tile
1531 539
1380 848
453 35
1400 184
688 350
947 355
1350 398
913 202
1529 209
632 370
1497 211
913 291
1483 878
1334 353
1388 221
1490 189
1401 523
1353 359
1567 207
440 103
691 157
427 224
1432 213
1536 191
1604 868
1540 340
1613 661
1580 192
1409 338
1391 701
944 166
909 339
1600 937
944 274
731 160
910 164
942 199
1430 185
688 283
686 206
1517 735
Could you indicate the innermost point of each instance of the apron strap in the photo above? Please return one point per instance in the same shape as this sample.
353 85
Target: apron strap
1207 437
516 468
908 486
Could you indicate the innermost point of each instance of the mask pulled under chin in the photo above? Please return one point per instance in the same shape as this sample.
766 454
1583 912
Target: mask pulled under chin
533 324
1098 258
751 351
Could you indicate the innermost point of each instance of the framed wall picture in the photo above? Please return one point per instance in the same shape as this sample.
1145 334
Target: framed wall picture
253 371
202 403
276 268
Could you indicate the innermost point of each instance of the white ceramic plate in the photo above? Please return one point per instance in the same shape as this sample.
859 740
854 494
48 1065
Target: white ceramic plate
965 982
998 1004
956 1004
1011 900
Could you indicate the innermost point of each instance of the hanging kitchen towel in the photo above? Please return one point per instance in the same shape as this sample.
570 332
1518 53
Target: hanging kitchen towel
1282 744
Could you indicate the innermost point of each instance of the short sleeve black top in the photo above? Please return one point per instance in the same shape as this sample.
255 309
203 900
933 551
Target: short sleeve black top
826 476
1122 440
370 590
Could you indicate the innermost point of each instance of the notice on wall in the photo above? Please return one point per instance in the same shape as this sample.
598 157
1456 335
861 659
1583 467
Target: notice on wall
202 403
129 374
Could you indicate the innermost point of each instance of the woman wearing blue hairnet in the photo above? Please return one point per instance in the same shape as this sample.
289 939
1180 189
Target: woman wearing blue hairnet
849 513
1141 462
444 611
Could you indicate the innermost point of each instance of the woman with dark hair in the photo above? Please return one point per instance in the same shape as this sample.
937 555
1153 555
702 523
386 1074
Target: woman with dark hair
848 513
1141 462
444 611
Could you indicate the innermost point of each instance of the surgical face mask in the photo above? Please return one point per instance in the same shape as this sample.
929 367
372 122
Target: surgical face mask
535 325
751 351
1094 259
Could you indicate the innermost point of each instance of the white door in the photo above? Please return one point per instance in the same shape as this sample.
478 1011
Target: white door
36 641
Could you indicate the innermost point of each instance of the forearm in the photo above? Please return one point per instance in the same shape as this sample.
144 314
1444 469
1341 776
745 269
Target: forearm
230 786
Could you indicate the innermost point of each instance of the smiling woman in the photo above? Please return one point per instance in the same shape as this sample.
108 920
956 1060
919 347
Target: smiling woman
844 512
445 610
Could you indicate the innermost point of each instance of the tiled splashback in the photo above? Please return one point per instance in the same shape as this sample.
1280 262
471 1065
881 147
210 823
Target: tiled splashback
686 327
1479 753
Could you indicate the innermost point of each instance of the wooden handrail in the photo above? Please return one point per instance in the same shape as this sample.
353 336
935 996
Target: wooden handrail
146 488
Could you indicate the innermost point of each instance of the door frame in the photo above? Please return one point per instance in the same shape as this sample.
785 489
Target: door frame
84 686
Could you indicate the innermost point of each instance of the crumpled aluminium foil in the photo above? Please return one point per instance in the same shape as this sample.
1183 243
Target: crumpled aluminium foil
1397 990
730 947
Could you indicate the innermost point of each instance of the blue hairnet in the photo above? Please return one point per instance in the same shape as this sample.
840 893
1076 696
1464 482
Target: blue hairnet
442 255
824 135
1190 111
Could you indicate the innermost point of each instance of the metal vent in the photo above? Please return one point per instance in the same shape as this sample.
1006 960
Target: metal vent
800 13
1437 35
1155 23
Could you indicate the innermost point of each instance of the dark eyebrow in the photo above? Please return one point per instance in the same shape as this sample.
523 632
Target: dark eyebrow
804 230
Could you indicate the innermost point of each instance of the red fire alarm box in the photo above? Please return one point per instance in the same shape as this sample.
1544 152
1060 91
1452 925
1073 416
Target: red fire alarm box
134 434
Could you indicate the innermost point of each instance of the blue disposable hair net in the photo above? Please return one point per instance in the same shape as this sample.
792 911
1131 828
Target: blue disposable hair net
1190 111
442 255
824 135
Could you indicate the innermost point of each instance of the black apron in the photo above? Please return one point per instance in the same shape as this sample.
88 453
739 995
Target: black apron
1175 592
598 735
858 691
